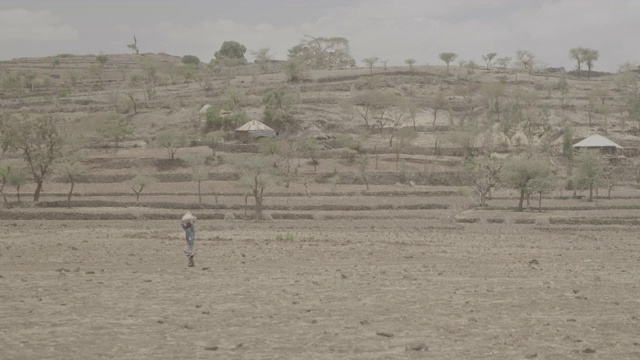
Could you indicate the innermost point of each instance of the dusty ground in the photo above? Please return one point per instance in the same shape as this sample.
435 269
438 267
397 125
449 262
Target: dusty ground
369 289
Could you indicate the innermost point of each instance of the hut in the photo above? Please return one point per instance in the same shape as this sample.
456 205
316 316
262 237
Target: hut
598 142
252 130
203 111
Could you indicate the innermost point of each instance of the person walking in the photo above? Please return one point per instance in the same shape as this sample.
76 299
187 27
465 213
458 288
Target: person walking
188 225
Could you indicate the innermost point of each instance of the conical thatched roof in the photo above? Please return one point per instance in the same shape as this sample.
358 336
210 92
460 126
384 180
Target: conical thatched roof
597 141
254 125
315 133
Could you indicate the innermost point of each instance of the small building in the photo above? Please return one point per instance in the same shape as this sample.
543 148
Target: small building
598 142
252 130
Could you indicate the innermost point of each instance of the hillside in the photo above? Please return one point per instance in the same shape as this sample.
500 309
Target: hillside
156 92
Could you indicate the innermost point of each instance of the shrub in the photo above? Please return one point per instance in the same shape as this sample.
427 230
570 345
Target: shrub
190 60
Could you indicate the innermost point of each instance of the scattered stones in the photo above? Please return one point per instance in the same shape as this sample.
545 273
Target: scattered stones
384 334
534 262
531 356
472 319
90 272
589 351
364 322
211 348
205 268
206 312
160 322
198 306
147 280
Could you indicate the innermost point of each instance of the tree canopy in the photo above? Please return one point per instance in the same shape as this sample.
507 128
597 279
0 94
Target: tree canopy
323 52
231 53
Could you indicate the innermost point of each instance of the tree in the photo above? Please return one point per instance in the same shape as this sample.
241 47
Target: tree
562 86
199 173
484 173
597 99
134 46
521 174
295 69
438 102
55 62
96 71
567 143
231 53
542 185
234 95
577 54
590 56
410 62
371 62
278 107
488 58
263 57
323 52
256 174
448 57
114 127
102 59
191 60
526 61
213 139
404 137
40 141
171 140
139 183
4 176
589 170
70 167
311 150
16 178
503 63
363 163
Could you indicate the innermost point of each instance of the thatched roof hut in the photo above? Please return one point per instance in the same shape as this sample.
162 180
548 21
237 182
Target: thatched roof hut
599 142
314 132
254 129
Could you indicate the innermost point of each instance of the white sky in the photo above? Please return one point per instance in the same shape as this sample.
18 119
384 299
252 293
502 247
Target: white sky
389 29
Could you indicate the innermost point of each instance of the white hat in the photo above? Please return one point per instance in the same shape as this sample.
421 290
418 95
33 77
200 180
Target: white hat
188 218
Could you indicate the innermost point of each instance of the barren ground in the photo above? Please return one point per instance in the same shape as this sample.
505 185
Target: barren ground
366 289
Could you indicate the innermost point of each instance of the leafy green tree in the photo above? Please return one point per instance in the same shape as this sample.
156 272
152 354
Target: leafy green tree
231 53
567 143
191 60
577 54
371 62
323 52
295 69
213 139
278 108
522 174
55 62
590 56
256 174
4 174
188 72
234 96
484 173
102 59
447 57
139 183
17 178
171 140
589 170
312 150
503 63
38 139
114 127
488 58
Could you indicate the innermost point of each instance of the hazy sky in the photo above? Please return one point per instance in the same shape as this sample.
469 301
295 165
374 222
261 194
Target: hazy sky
389 29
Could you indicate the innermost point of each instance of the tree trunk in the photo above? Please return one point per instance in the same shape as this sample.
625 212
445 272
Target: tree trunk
609 192
591 191
199 193
540 202
364 177
521 200
258 207
70 191
18 191
36 194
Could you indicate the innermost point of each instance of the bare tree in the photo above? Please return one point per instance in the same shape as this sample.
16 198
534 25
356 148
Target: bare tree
526 61
134 46
590 56
256 174
577 54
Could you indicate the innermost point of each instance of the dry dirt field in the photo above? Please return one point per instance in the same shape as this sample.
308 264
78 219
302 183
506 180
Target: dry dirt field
375 288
